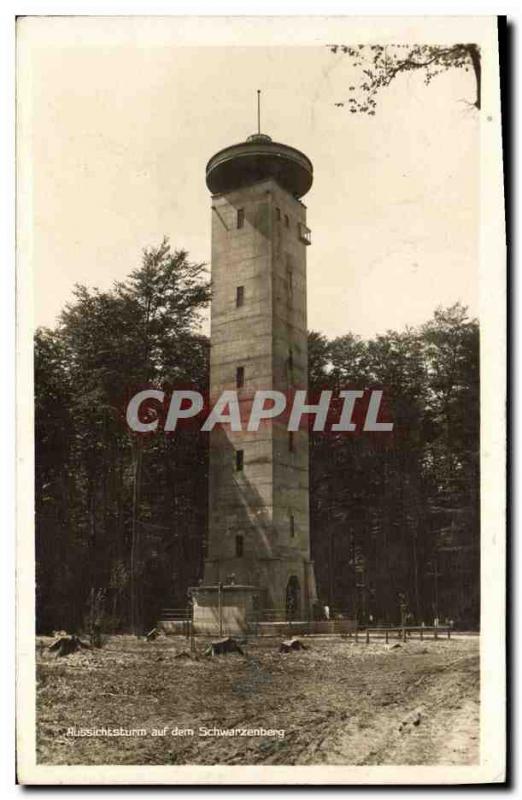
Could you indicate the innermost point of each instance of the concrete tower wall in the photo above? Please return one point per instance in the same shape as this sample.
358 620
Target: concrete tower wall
257 244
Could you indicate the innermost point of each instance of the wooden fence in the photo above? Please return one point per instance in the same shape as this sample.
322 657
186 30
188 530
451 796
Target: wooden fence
275 622
403 632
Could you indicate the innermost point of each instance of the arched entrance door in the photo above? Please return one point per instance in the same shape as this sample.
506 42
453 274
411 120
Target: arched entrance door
293 597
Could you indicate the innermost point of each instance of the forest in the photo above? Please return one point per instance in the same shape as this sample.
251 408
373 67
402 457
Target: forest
121 520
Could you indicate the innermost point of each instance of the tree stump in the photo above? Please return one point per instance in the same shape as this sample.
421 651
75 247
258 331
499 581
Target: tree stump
223 646
289 645
66 645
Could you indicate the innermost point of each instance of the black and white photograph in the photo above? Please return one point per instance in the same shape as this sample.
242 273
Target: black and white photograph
261 448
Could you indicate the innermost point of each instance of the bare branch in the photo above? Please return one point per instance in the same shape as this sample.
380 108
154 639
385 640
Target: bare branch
380 65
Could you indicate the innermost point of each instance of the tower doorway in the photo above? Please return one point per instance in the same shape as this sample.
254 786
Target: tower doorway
293 597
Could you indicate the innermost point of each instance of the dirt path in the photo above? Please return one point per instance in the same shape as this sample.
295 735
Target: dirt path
435 722
338 702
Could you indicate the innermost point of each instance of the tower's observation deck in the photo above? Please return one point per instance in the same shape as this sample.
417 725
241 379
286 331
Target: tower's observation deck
257 159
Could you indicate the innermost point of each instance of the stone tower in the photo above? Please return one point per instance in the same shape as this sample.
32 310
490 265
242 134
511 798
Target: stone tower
259 505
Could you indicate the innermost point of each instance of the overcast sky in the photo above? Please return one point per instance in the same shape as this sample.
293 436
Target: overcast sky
121 134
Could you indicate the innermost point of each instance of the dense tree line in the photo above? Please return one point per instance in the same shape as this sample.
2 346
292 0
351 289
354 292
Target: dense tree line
121 519
396 516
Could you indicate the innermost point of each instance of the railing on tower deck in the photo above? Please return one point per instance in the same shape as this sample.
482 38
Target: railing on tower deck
305 234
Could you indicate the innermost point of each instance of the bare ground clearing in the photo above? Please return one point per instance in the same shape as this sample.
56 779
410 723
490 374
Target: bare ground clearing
338 702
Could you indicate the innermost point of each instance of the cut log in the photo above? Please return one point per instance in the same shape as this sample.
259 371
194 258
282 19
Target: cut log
223 646
65 645
291 644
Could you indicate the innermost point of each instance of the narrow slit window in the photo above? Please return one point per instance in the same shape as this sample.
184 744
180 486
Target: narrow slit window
292 526
239 460
287 221
240 296
290 280
240 377
291 442
239 546
240 217
290 367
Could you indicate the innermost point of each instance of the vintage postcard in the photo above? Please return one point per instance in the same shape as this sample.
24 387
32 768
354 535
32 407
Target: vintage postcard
261 384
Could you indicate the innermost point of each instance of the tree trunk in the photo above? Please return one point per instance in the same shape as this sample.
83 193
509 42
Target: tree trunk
474 54
134 555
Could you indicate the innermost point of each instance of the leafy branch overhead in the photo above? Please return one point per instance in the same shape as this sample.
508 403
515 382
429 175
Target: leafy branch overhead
380 64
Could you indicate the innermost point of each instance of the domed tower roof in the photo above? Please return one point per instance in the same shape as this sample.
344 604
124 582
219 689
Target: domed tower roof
257 159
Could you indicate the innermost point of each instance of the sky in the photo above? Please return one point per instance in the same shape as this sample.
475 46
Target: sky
121 132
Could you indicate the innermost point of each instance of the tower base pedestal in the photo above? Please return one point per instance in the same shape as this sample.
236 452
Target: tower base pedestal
223 610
